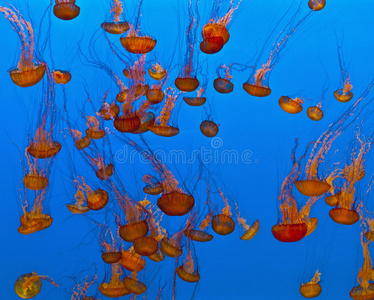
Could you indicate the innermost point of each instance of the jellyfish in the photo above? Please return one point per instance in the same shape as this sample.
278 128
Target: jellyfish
61 77
294 223
186 80
108 111
27 73
134 285
96 200
258 82
115 287
43 145
161 126
344 94
187 271
215 33
172 246
109 243
66 9
312 288
153 187
103 171
93 131
344 212
79 206
28 285
365 289
36 178
136 42
132 261
116 27
291 105
316 5
34 217
157 72
315 113
249 231
223 84
222 223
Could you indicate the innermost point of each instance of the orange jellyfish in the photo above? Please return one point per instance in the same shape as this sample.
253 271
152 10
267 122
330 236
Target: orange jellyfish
115 287
108 111
365 288
186 80
198 100
134 285
132 261
61 77
249 231
34 218
79 141
209 128
135 42
116 27
147 118
344 94
172 246
136 227
79 206
223 84
109 243
222 223
148 245
291 105
28 285
258 82
187 271
316 5
103 171
36 178
161 126
344 211
153 186
312 288
94 131
315 113
42 145
155 94
27 72
293 223
215 33
96 200
157 72
66 9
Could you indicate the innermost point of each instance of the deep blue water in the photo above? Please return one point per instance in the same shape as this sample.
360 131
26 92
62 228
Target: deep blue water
256 130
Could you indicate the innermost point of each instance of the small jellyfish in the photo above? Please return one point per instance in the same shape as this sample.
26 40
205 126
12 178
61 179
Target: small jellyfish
316 5
344 94
312 288
187 271
79 206
209 128
116 27
28 285
291 106
115 287
315 113
66 9
196 101
110 245
42 145
93 131
222 223
134 285
61 77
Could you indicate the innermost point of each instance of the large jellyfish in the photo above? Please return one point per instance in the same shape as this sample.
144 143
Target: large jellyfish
27 72
116 27
66 9
28 285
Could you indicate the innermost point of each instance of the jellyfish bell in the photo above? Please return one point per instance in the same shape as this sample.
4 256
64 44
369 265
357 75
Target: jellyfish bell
255 90
344 216
333 200
211 30
342 96
311 225
194 101
223 224
28 285
115 27
146 120
289 232
138 44
109 112
175 203
312 188
97 200
35 181
82 143
111 257
61 77
166 131
170 247
34 221
42 146
187 275
223 86
310 290
157 256
154 189
198 235
251 232
186 84
212 45
104 172
155 96
156 72
315 113
134 286
128 123
209 128
361 293
132 231
27 76
289 105
316 5
66 9
132 261
145 246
